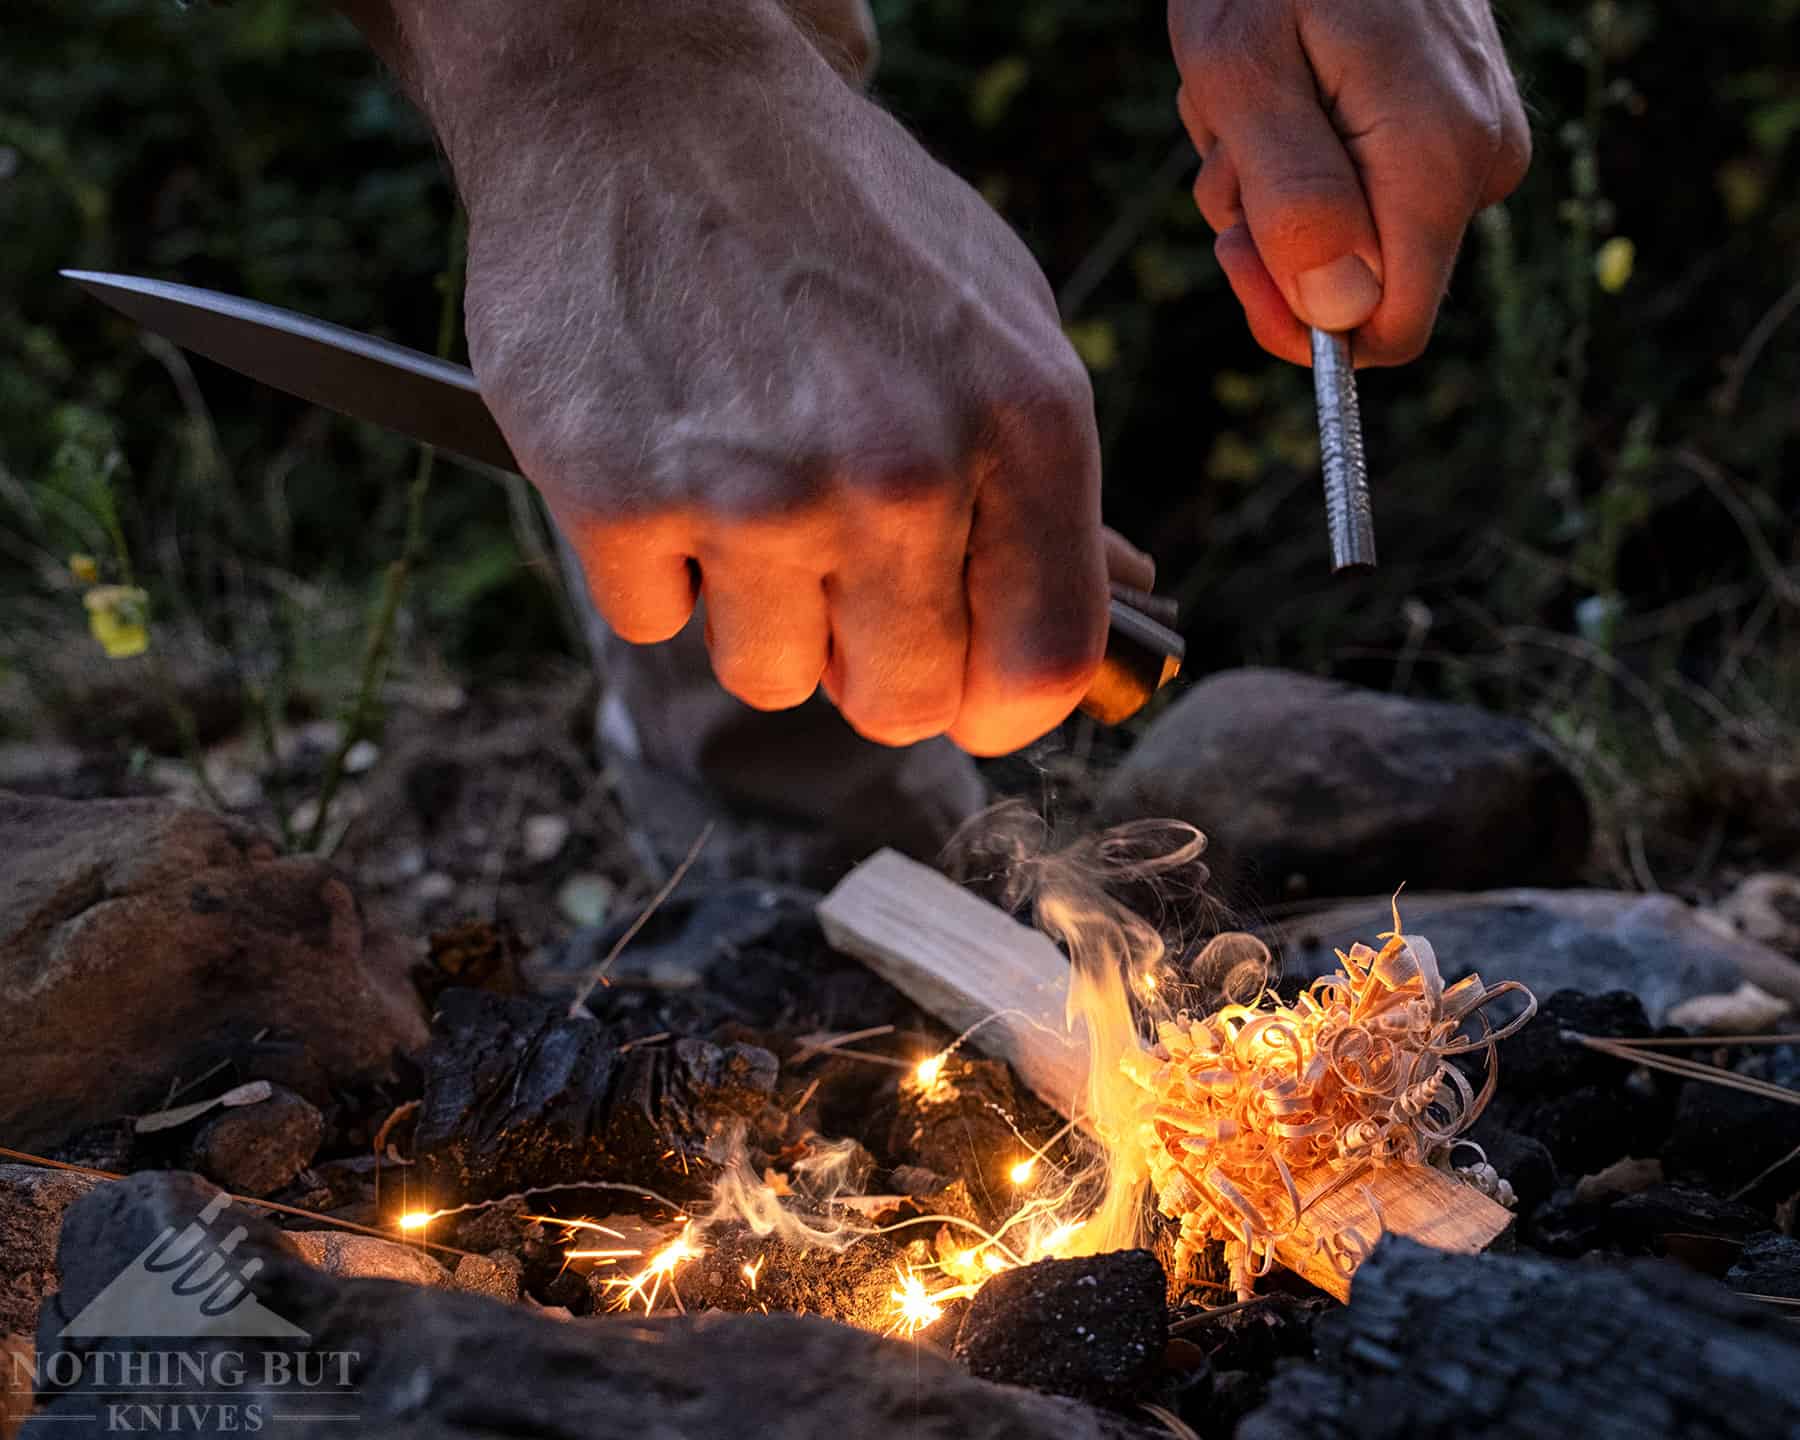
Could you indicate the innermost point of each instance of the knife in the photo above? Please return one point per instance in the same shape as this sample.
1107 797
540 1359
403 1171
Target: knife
439 403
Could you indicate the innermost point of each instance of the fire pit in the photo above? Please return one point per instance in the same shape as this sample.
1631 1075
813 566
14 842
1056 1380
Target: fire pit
1076 1155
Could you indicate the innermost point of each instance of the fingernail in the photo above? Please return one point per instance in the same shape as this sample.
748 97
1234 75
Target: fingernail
1338 296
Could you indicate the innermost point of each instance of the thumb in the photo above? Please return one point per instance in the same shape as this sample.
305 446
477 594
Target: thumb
1305 210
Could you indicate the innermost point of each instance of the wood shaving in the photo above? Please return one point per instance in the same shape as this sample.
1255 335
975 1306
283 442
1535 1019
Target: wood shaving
1247 1101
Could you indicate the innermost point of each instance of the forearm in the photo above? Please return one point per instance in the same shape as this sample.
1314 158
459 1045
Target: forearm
464 57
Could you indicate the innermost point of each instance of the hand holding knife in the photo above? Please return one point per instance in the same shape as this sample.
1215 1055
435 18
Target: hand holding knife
440 404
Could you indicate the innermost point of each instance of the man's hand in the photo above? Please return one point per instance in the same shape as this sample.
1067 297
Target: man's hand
1344 146
754 345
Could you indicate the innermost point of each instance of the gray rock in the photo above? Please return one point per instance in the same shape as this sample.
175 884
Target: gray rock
438 1365
256 1149
32 1202
350 1256
1659 949
142 942
1313 787
1093 1328
496 1276
1768 1265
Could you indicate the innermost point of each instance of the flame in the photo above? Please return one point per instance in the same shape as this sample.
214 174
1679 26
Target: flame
417 1219
752 1271
929 1070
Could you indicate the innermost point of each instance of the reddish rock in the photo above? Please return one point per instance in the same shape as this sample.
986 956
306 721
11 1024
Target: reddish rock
143 943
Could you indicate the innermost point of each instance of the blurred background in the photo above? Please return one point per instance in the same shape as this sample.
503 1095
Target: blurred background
1586 491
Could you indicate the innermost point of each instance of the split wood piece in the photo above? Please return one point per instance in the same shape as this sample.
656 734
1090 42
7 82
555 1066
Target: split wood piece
965 961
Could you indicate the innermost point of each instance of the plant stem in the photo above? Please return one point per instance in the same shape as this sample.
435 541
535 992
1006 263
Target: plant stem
378 645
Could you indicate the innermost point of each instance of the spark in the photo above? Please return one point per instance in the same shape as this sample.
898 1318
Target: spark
994 1261
579 1225
915 1307
600 1254
1059 1237
1021 1173
751 1271
929 1070
650 1279
417 1219
1148 981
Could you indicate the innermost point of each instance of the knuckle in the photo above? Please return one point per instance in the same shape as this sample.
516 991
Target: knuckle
901 717
760 690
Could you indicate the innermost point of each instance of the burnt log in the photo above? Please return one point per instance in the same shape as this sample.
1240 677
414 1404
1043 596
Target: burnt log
1491 1346
518 1094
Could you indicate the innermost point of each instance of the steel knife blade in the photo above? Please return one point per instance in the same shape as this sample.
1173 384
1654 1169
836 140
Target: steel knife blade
343 370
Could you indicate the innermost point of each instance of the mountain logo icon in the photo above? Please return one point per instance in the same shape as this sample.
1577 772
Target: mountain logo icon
184 1285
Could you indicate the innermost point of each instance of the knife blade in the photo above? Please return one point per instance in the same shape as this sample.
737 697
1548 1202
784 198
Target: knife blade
439 403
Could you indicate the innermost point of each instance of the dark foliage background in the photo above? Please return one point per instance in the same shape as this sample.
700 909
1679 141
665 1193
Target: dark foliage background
1585 492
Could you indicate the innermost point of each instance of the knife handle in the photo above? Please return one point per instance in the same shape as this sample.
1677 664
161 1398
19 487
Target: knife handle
1143 654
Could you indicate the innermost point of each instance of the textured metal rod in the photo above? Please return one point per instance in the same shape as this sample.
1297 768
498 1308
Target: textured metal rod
1348 512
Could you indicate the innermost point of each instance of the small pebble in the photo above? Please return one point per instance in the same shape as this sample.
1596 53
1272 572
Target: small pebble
361 757
545 836
434 887
584 899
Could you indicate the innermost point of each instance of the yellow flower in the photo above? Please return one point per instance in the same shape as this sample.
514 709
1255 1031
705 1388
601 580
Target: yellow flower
84 568
1612 265
1095 342
119 616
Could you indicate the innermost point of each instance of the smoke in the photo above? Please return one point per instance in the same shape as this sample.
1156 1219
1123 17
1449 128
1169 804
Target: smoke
741 1196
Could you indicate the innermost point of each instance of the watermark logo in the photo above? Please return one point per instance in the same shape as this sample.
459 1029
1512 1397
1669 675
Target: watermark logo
186 1285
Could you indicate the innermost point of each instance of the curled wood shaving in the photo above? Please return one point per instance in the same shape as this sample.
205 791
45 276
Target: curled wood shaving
1354 1075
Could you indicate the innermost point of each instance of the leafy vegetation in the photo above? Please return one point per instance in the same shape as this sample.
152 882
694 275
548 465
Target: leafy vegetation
1586 491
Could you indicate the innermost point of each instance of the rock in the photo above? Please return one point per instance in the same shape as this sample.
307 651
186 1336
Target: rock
32 1202
519 1094
545 836
1765 908
433 1364
1727 1138
1747 1010
1093 1329
1566 1349
1321 788
1654 946
496 1276
584 899
256 1149
1769 1264
141 942
1629 1176
434 887
18 1396
350 1256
